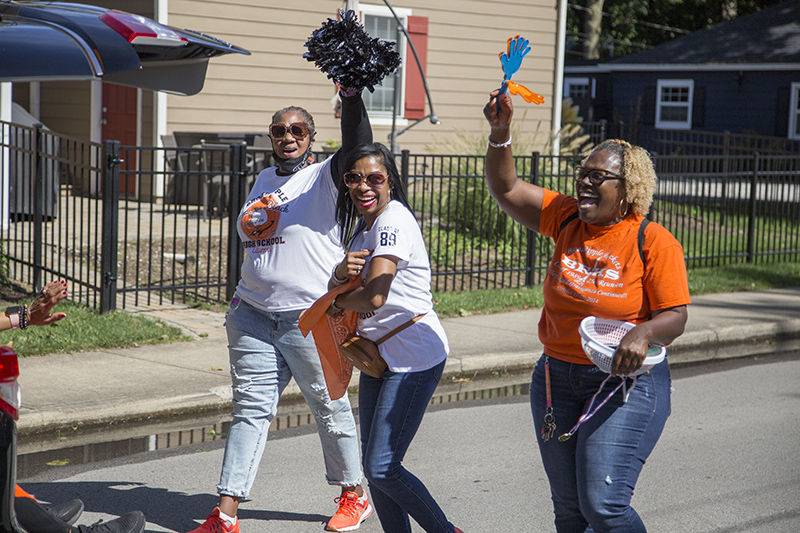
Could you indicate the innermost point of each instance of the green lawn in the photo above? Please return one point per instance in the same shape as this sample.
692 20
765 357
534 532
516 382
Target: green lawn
85 330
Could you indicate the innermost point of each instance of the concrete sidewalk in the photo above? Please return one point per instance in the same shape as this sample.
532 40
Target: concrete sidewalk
99 388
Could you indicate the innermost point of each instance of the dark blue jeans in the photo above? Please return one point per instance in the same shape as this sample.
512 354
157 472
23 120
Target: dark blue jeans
592 475
390 412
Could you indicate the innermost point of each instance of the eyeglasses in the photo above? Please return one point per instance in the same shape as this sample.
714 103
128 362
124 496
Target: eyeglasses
596 176
299 130
354 179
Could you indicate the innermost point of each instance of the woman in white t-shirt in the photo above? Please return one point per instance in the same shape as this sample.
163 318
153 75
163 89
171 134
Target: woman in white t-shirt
388 252
291 242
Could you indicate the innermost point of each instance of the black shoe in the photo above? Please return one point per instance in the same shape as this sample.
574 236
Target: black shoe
67 512
132 522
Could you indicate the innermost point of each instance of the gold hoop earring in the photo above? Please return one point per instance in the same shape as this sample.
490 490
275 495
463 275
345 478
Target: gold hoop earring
623 213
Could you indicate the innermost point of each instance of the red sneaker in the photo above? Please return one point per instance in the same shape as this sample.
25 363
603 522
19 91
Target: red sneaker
352 511
215 524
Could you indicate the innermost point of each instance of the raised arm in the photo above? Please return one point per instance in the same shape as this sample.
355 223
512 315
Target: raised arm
356 129
520 200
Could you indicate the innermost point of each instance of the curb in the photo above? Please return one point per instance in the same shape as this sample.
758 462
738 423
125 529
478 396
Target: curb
459 375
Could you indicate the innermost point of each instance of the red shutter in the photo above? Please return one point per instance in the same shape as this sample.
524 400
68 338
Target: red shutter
417 28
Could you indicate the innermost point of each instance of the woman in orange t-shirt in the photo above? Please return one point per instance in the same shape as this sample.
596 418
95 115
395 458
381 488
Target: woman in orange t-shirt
598 269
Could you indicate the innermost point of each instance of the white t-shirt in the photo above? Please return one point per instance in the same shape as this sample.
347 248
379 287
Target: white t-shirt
291 239
424 344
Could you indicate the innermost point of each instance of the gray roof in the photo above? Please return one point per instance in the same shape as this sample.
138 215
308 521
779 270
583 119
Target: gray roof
771 35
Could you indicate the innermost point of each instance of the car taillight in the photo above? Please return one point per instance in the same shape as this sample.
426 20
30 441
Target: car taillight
10 398
142 30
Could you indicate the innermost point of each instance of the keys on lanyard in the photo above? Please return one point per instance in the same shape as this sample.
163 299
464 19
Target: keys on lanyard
549 425
549 420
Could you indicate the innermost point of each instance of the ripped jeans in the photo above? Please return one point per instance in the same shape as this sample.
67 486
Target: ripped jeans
266 350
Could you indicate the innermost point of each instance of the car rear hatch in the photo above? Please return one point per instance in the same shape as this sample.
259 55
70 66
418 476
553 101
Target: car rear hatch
60 41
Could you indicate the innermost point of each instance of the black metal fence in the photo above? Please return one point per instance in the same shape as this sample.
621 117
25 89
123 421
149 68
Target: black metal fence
132 226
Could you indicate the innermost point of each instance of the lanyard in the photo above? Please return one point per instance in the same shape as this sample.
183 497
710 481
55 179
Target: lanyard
591 412
549 425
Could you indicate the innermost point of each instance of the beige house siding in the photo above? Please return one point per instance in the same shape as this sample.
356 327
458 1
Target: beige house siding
465 38
242 92
66 107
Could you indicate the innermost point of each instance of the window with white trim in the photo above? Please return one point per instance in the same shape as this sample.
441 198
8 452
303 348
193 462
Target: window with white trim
576 88
379 23
794 110
674 104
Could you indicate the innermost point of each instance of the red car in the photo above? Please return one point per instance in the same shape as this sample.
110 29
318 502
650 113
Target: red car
9 413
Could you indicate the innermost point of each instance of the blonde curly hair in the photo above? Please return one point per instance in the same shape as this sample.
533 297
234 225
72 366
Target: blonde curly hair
637 171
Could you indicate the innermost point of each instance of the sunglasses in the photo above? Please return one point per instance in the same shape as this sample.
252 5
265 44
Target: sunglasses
354 179
299 130
596 176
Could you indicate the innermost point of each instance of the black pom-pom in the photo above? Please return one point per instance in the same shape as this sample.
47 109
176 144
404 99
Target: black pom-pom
348 55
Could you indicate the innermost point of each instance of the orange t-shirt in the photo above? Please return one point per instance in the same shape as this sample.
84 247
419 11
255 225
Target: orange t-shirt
597 271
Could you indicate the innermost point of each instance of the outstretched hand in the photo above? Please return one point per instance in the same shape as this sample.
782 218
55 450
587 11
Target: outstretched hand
525 93
39 311
512 59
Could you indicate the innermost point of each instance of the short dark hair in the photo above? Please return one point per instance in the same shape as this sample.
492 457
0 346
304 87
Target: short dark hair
300 111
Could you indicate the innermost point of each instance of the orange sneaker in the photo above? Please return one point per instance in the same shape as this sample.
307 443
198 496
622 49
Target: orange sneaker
352 511
215 524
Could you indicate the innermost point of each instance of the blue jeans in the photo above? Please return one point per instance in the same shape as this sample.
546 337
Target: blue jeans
592 475
266 350
390 412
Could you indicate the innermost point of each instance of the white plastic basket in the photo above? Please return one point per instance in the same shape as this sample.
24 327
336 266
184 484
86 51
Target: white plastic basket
600 338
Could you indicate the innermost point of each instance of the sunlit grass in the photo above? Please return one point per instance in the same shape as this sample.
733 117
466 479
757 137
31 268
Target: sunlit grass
85 330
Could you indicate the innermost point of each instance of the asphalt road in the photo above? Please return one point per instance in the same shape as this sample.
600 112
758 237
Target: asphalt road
727 463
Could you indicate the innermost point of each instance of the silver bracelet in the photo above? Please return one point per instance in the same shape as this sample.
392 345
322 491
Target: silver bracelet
336 279
501 145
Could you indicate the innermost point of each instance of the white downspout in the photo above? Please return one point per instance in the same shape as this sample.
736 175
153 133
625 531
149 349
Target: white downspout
558 86
5 116
161 9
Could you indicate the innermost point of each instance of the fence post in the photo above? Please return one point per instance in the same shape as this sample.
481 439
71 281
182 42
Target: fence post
235 202
530 253
108 262
404 163
726 161
38 194
751 226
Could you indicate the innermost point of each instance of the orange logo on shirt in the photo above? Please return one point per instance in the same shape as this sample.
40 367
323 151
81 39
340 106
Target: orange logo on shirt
260 220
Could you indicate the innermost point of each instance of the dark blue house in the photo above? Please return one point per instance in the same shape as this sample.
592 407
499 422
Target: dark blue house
741 76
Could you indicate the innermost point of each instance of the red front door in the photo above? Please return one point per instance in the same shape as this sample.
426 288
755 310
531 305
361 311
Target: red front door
119 124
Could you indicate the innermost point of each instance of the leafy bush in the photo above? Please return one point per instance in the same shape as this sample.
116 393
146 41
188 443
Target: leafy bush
3 266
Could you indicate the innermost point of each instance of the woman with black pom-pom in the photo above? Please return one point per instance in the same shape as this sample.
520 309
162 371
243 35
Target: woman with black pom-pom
291 241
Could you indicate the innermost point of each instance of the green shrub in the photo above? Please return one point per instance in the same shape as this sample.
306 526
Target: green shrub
3 265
